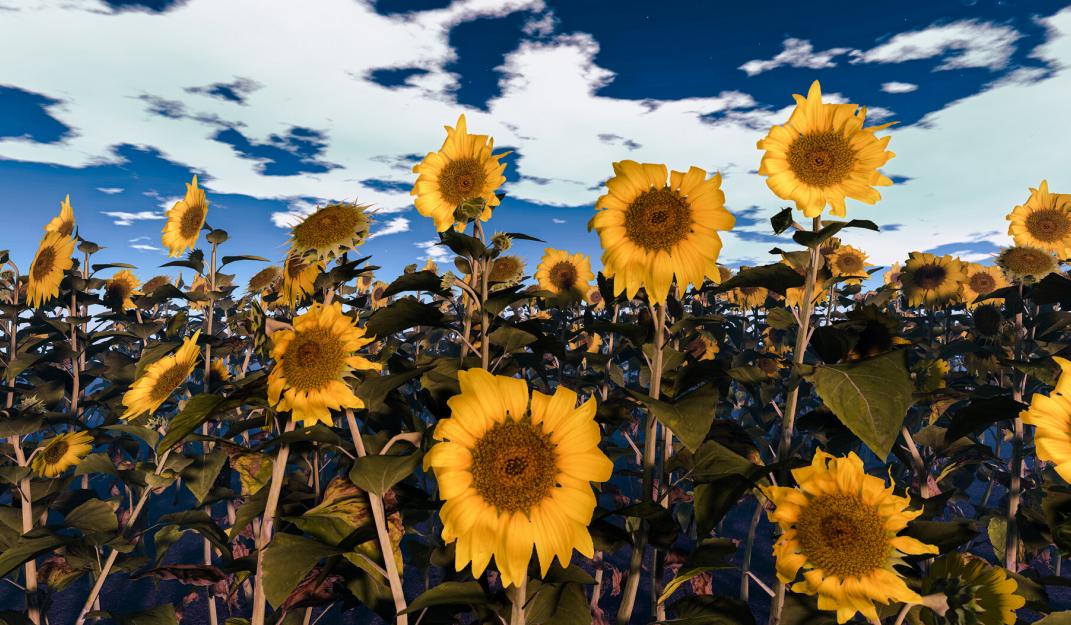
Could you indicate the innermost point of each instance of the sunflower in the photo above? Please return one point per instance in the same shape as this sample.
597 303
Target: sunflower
892 276
824 155
652 232
365 281
430 266
154 283
120 289
593 297
981 280
703 347
563 273
331 231
1043 221
988 319
61 452
747 296
218 373
160 380
877 332
299 279
977 592
312 362
840 526
932 280
46 272
464 169
265 281
64 222
776 341
516 472
848 263
377 296
725 273
1051 415
507 269
1027 264
185 219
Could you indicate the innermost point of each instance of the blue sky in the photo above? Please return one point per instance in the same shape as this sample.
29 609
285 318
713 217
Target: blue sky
281 106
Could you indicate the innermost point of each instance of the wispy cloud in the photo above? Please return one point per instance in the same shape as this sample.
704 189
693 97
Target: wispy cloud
145 247
394 226
110 190
433 251
795 53
123 218
898 87
966 43
557 221
298 210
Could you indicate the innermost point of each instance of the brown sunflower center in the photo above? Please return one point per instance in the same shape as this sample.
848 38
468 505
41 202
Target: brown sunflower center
313 358
563 275
66 228
295 267
1048 225
843 536
821 159
1026 261
849 264
506 268
462 180
595 297
44 263
930 276
658 219
263 279
118 290
192 219
514 466
982 283
170 379
331 226
55 451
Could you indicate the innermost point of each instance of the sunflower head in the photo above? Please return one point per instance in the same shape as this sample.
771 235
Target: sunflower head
564 274
876 333
185 220
1050 414
463 174
61 452
53 258
1044 221
703 347
508 269
654 232
64 222
594 298
932 280
892 276
265 281
988 319
981 280
160 379
1027 264
218 373
120 289
823 154
330 231
299 279
849 263
747 297
977 593
377 296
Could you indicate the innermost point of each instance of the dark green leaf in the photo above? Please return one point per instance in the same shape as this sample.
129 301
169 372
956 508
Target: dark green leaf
814 239
782 220
401 315
978 415
449 593
287 560
688 418
777 277
377 474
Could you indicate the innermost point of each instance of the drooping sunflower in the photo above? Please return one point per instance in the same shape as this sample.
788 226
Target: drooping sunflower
776 341
185 220
46 271
563 273
299 279
653 232
64 222
703 347
932 280
1027 264
120 289
892 276
516 471
377 296
365 281
464 169
848 263
312 362
265 281
981 280
1051 415
218 373
823 154
331 231
61 452
1043 221
161 379
977 592
841 527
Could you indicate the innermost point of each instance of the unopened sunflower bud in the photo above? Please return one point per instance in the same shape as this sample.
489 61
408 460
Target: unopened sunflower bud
410 268
502 241
447 281
470 209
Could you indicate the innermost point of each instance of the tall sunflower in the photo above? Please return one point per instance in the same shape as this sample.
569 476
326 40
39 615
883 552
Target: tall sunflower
64 222
981 280
46 271
841 527
1043 221
185 220
516 472
563 273
464 169
1051 415
331 231
299 279
932 280
977 593
1027 264
61 452
120 289
823 154
161 379
848 263
312 362
652 232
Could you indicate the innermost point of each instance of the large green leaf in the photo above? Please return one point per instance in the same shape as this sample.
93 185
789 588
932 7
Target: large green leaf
202 473
870 397
689 418
449 593
813 239
287 560
163 614
25 549
401 315
377 474
777 277
96 519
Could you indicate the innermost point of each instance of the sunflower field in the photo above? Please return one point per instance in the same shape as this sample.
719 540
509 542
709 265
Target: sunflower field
666 440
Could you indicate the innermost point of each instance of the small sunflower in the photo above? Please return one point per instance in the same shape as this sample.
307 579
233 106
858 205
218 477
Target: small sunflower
377 296
848 263
1043 221
563 273
892 276
46 271
1027 264
365 281
61 452
185 220
703 347
747 296
218 373
725 273
776 341
430 266
331 231
932 280
120 289
1051 415
594 298
161 379
64 222
824 155
265 281
516 471
653 232
877 332
312 362
841 527
507 269
978 593
981 280
464 169
299 279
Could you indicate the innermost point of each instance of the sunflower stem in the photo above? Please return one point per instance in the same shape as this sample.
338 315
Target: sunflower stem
518 596
210 313
749 545
278 472
1015 465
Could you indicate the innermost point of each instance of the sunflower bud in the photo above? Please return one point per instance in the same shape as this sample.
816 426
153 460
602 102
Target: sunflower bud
410 268
447 281
502 241
470 209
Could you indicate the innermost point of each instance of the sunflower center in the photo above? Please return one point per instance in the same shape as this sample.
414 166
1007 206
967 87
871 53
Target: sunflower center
313 358
55 451
563 275
328 227
514 466
658 219
191 221
1027 262
982 283
44 263
461 180
118 290
843 536
930 277
821 159
1047 225
166 383
849 264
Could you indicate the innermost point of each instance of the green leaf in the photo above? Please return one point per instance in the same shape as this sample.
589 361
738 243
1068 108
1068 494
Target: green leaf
689 418
198 410
663 529
511 339
377 474
96 519
782 220
945 535
25 549
287 560
202 473
233 259
1056 618
401 315
95 463
427 281
870 397
462 244
777 277
710 553
18 424
814 239
163 614
373 389
150 436
978 415
559 604
449 593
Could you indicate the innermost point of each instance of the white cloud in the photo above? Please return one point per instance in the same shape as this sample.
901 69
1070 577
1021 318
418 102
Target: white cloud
433 251
145 247
394 226
298 211
541 26
967 43
110 190
123 218
557 221
795 53
899 87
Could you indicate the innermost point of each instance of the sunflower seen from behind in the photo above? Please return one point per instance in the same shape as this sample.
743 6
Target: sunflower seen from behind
929 280
161 379
120 290
299 279
564 274
1043 221
655 231
823 155
977 592
841 527
746 297
313 362
64 222
61 452
515 470
52 259
981 280
330 231
185 220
